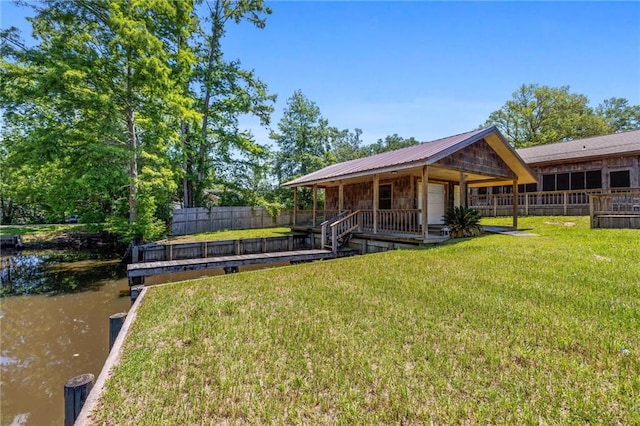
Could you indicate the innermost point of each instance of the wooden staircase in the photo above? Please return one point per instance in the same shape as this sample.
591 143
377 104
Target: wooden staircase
338 230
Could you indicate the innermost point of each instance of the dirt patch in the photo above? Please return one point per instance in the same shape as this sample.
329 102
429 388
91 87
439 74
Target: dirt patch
601 258
567 224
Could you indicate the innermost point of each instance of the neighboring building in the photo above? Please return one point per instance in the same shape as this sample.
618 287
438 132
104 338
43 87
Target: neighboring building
566 172
600 162
387 189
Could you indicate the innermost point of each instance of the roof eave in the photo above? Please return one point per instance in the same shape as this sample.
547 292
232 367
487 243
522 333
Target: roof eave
387 169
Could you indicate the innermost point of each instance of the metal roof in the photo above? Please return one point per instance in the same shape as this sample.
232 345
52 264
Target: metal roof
596 146
424 153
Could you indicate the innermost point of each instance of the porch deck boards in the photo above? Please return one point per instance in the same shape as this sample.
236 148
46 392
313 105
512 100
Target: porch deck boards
145 269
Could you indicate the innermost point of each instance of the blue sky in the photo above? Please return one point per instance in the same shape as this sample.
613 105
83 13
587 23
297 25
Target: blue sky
432 69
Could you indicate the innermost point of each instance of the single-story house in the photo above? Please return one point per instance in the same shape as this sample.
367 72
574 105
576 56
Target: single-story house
566 172
405 191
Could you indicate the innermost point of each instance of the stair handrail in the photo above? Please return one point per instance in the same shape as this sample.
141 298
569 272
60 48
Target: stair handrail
351 226
324 228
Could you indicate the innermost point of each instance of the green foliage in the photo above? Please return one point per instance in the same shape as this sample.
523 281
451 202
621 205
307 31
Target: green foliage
117 104
389 143
226 91
619 115
463 221
539 115
304 139
346 146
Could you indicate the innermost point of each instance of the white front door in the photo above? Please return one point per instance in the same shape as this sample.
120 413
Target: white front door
436 200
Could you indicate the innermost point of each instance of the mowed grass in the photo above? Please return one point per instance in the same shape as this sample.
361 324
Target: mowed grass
38 230
231 235
496 329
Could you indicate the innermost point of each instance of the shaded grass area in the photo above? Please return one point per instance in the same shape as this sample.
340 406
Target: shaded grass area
496 329
38 231
231 235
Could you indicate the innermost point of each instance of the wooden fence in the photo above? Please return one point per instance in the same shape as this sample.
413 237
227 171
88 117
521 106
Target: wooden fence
615 210
195 220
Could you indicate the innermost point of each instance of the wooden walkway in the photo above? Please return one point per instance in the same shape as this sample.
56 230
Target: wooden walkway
146 269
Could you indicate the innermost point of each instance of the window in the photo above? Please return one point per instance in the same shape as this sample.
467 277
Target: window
548 182
562 181
384 197
572 181
619 179
577 180
482 190
530 187
594 179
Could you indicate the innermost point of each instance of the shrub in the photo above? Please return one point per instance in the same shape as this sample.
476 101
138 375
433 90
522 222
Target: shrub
463 222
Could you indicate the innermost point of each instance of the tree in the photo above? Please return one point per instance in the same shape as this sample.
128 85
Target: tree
224 91
346 146
539 115
304 139
121 101
389 143
619 115
99 86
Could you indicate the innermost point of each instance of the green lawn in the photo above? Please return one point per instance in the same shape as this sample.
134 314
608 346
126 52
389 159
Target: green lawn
33 230
231 235
496 329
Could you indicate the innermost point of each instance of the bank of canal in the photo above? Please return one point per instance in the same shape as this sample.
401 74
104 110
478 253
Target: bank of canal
48 338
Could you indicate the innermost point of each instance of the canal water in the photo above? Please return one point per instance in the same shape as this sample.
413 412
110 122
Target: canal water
54 324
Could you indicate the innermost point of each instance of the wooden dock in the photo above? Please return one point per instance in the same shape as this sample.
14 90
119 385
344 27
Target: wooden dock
10 242
135 271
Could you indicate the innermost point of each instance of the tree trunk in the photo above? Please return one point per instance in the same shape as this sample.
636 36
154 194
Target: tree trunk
217 23
133 146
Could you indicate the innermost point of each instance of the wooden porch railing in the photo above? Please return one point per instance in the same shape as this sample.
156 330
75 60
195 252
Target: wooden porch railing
615 207
406 221
563 200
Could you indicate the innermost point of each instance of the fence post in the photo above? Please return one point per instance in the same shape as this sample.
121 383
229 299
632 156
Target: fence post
591 210
76 391
564 201
495 205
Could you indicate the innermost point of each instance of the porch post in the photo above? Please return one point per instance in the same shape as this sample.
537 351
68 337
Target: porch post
324 207
463 190
340 197
425 204
295 205
315 205
515 203
376 201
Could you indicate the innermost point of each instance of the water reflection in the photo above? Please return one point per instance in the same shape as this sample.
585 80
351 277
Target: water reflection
49 338
56 272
